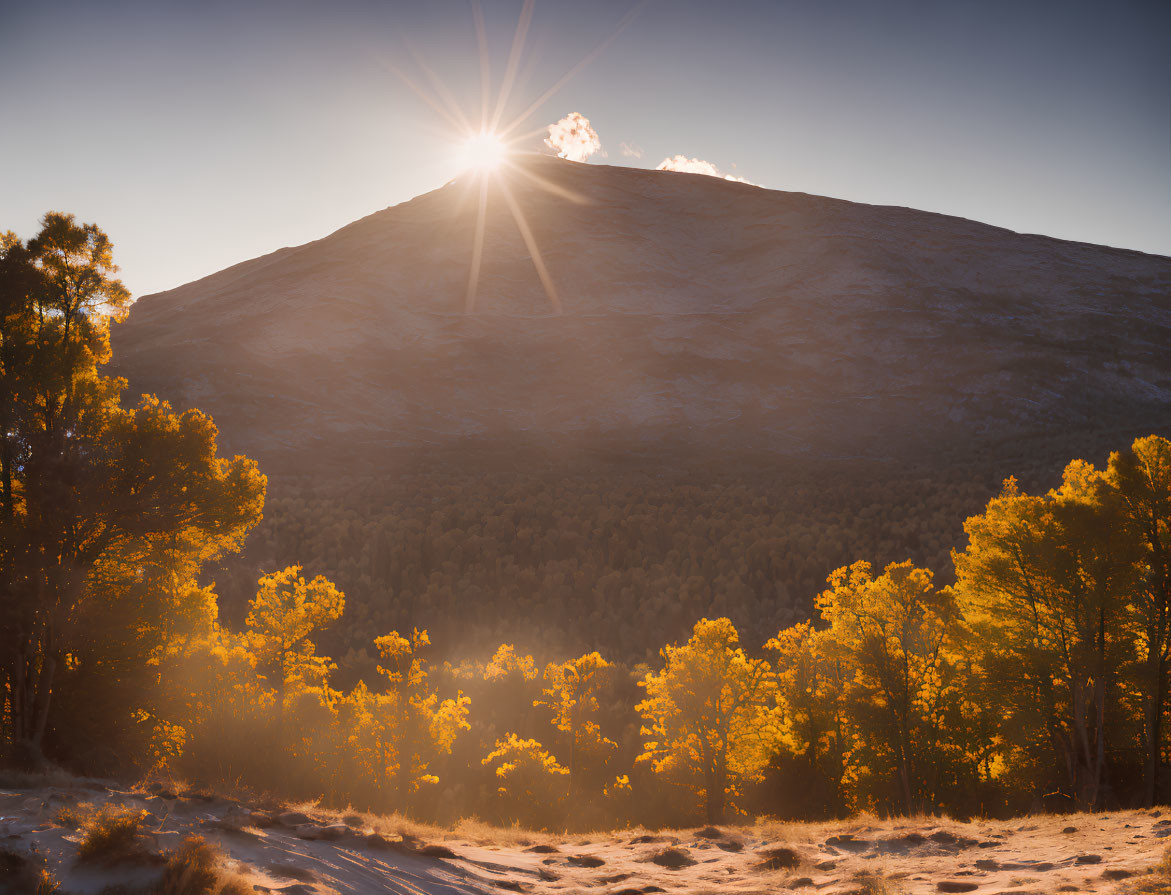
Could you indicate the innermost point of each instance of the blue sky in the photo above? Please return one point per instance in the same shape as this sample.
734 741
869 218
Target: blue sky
202 134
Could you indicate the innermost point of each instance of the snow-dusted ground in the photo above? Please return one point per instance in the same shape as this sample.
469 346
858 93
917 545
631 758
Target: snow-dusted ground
314 852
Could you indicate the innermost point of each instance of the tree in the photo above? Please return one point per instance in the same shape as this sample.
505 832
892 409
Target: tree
891 636
285 613
710 713
89 491
528 777
395 736
1045 582
1141 479
571 696
813 726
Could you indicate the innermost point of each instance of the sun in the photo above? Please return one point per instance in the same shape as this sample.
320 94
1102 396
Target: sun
483 151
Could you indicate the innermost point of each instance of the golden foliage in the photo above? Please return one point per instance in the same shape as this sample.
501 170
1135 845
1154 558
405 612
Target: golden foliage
286 611
711 715
530 781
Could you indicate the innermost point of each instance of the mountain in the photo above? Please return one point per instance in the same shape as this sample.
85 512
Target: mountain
696 314
745 389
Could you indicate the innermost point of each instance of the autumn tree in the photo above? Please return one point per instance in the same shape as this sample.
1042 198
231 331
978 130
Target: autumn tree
892 635
571 697
1140 479
813 725
91 493
282 618
1045 582
506 687
396 735
530 781
709 715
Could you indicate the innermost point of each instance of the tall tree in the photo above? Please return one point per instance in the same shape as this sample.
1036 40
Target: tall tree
1141 479
710 712
814 727
397 735
891 635
571 696
1045 581
87 484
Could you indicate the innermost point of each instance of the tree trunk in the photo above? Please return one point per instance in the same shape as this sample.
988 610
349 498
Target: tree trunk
1153 710
32 688
905 773
716 797
1099 759
6 503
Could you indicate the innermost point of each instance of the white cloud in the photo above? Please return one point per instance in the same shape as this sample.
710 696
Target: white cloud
573 138
630 150
696 166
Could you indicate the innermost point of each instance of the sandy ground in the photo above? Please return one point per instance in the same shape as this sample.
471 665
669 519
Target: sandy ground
305 851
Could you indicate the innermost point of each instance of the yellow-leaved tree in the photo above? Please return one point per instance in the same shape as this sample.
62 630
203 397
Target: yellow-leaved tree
530 782
1141 480
507 663
1045 582
107 513
901 691
571 696
710 716
282 618
814 727
394 737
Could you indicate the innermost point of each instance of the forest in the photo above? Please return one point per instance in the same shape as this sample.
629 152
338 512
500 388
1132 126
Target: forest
480 559
697 648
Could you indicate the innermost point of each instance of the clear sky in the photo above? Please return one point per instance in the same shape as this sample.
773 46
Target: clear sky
200 134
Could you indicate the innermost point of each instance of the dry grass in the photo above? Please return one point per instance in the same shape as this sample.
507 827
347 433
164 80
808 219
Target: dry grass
1156 881
196 868
112 834
780 858
876 883
393 825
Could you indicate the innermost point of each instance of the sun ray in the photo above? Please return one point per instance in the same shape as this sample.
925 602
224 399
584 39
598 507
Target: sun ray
518 42
530 241
441 90
520 139
489 145
484 152
466 190
485 63
477 248
550 187
586 60
424 96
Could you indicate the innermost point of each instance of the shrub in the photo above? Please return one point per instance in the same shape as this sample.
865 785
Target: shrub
194 869
112 834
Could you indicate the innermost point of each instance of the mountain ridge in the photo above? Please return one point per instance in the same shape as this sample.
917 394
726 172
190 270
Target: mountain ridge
695 311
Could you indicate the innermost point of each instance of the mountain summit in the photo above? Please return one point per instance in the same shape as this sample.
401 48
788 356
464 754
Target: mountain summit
694 312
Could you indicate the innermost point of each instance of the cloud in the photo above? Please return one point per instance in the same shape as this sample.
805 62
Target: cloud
696 166
630 150
573 138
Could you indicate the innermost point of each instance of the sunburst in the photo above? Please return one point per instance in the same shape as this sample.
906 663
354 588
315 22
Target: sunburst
488 150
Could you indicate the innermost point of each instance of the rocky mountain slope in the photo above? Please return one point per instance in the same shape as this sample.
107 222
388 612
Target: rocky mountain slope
695 313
